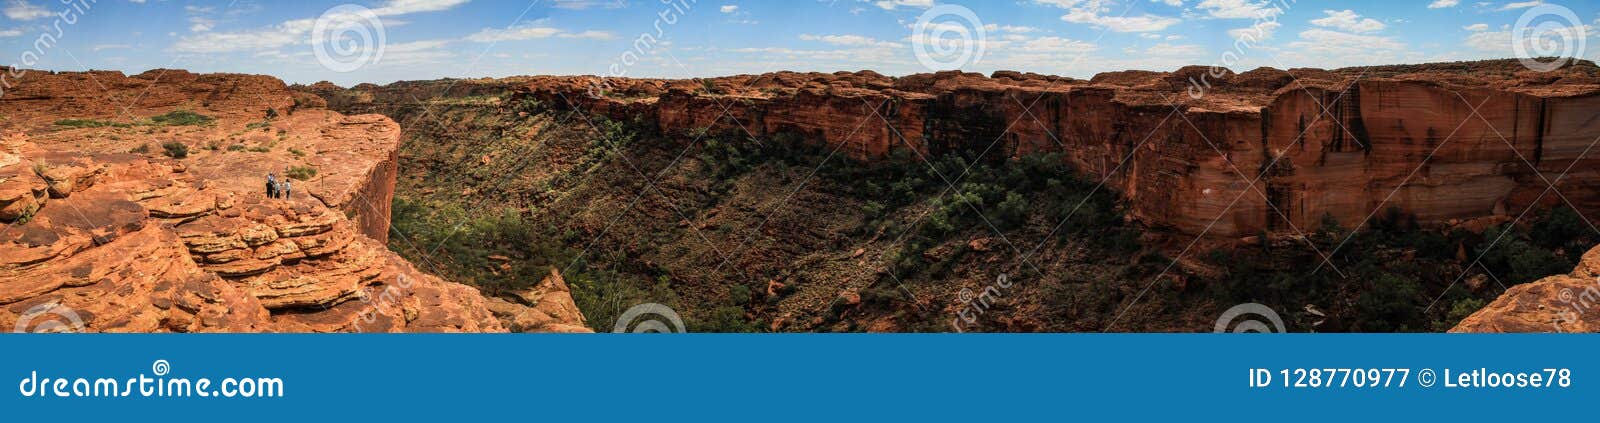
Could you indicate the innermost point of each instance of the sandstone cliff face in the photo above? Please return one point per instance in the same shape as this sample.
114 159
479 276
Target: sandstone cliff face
124 240
1263 151
1562 303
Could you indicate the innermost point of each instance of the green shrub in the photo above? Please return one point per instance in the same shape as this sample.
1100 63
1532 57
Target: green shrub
176 150
236 147
1389 303
182 118
739 295
141 149
725 319
1562 228
302 172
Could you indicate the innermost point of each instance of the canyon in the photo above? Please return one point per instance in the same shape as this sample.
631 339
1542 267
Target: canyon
510 204
1269 157
138 204
1195 151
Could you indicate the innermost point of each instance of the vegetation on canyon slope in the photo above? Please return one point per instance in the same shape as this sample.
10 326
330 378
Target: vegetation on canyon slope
741 234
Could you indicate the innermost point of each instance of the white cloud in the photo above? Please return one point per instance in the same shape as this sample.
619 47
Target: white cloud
418 52
1348 20
489 35
1476 27
405 7
588 35
201 24
1440 4
1521 5
728 8
1239 9
1015 29
892 4
1259 32
585 4
290 32
1056 45
1090 12
1332 49
10 32
1499 44
850 40
1174 50
21 10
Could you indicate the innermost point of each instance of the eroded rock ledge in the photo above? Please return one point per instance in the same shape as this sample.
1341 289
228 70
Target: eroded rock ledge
1562 303
1465 143
128 240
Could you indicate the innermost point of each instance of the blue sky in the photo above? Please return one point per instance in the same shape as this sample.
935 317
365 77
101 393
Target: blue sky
427 39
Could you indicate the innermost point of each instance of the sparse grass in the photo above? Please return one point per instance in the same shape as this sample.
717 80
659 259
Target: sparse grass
304 173
237 147
174 118
262 125
181 118
297 152
141 149
91 123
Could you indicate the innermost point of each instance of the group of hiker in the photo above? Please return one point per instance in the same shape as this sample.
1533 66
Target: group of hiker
278 188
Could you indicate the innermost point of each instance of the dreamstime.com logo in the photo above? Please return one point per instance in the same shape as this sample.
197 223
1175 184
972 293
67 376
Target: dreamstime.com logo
49 318
347 37
649 324
1225 322
1548 37
948 37
141 385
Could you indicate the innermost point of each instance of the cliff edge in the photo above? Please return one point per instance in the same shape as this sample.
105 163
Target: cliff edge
138 204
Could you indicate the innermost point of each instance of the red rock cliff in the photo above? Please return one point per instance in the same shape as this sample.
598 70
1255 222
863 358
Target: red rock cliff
105 233
1263 151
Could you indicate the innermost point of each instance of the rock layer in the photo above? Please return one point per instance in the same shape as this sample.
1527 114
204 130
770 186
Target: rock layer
1562 303
103 233
1221 155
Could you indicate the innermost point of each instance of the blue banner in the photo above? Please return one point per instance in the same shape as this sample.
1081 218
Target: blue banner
699 377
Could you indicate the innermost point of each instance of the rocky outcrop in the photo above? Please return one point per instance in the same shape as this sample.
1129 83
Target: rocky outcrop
1562 303
1226 155
106 233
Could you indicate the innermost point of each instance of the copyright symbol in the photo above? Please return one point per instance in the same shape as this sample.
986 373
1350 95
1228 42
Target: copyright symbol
1426 378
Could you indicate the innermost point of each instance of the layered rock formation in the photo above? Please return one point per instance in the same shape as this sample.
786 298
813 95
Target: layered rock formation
1562 303
1229 155
105 233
